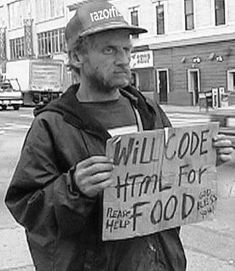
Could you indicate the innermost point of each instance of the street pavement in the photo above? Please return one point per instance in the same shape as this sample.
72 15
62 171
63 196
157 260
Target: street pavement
209 246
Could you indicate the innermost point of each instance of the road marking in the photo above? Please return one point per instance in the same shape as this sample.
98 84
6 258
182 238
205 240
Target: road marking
9 123
26 116
13 126
16 126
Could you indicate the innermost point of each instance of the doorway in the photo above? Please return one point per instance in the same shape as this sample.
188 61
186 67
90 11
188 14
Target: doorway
163 85
135 79
231 80
194 84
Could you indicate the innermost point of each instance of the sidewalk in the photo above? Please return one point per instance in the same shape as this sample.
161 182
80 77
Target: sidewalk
14 250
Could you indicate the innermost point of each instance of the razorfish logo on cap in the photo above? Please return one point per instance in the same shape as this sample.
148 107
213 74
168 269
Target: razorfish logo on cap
105 14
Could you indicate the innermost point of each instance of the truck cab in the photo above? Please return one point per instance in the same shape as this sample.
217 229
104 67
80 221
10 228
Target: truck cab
10 94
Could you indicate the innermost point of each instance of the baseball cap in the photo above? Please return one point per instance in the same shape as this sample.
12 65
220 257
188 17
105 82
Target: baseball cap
96 16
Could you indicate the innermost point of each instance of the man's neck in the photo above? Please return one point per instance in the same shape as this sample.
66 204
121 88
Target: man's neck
86 94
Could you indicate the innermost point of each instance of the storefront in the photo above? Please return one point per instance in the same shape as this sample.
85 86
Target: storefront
183 72
143 76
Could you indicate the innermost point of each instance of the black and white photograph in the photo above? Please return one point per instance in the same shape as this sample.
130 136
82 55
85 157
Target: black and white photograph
117 135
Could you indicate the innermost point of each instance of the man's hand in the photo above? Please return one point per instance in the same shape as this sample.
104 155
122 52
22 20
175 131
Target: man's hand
224 149
93 175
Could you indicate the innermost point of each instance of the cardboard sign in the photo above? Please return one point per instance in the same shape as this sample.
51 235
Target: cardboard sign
163 179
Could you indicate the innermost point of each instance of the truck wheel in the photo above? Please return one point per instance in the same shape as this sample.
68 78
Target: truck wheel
4 107
16 107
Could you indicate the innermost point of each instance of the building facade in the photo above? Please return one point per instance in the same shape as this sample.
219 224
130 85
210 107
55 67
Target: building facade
32 29
189 47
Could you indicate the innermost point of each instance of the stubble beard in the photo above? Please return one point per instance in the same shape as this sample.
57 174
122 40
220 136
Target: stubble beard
104 85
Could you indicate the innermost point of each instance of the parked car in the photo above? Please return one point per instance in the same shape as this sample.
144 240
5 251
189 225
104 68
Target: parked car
10 94
226 118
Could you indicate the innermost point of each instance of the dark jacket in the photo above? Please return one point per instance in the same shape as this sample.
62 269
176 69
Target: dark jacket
61 225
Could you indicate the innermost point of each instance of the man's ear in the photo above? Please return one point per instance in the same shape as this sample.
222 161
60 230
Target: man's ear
75 59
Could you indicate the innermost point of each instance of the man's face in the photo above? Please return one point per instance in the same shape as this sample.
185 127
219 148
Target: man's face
106 63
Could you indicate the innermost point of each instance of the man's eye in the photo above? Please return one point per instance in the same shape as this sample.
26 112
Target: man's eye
127 50
108 51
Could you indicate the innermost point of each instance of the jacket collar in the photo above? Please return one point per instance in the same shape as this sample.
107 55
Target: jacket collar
76 114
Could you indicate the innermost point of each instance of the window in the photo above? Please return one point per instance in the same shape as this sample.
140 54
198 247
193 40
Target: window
17 48
231 80
2 17
135 21
51 42
15 14
219 12
189 14
135 79
160 19
49 9
2 43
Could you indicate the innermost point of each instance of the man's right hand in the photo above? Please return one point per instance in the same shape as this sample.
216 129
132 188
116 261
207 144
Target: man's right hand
93 175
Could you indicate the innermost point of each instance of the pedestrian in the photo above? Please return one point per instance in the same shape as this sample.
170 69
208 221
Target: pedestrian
56 190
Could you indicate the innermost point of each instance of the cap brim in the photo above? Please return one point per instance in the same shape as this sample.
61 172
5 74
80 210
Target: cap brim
112 26
108 27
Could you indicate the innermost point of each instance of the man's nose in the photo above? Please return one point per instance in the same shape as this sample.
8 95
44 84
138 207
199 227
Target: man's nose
122 57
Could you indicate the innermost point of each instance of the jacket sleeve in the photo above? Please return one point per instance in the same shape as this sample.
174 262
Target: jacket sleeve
40 196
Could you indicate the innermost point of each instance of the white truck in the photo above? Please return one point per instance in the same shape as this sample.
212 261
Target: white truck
41 80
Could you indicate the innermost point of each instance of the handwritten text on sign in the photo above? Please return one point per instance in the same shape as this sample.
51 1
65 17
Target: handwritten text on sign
162 180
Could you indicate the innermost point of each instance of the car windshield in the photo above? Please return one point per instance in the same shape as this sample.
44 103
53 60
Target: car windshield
15 85
7 86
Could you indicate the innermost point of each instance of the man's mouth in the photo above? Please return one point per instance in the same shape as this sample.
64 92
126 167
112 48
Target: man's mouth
122 72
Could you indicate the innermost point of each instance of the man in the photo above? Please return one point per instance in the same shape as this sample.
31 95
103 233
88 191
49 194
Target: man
56 191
